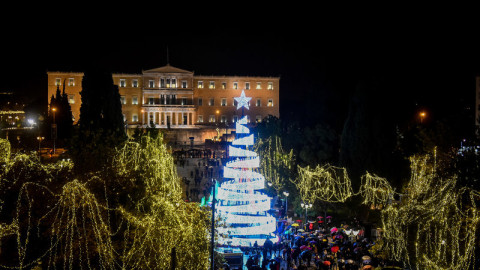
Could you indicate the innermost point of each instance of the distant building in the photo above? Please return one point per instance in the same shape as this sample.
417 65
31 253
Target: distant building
184 104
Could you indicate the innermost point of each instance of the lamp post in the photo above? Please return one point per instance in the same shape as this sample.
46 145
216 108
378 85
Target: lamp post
212 238
422 116
40 139
54 129
286 202
306 206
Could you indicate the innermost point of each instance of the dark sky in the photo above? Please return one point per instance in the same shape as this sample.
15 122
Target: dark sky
426 67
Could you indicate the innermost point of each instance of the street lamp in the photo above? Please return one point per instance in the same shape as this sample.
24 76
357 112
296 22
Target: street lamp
40 139
54 129
422 114
306 206
286 202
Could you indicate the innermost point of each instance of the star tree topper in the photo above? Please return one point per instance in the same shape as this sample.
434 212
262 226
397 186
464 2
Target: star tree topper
242 101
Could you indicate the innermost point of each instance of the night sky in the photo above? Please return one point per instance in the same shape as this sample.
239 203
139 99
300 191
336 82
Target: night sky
427 68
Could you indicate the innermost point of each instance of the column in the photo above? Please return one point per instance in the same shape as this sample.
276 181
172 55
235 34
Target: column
143 117
154 113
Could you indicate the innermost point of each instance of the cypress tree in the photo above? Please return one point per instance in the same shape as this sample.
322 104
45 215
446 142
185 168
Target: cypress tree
100 128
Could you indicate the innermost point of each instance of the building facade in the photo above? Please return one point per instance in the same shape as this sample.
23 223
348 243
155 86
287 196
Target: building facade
175 99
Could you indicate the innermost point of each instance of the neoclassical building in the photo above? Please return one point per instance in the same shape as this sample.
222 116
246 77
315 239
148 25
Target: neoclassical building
179 101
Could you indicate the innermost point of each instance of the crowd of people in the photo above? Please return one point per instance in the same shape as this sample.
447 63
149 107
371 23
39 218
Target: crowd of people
332 248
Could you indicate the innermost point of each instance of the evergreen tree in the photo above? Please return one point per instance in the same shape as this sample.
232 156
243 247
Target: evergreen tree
101 127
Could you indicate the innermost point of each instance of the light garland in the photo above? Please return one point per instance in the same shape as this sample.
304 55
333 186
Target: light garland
326 183
276 163
79 223
240 204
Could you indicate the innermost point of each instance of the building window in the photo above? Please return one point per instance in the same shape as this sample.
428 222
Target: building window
200 85
211 119
123 100
223 119
162 83
258 118
235 85
184 84
270 102
223 102
211 85
259 85
58 81
151 83
122 83
174 83
135 100
234 103
247 86
235 118
134 118
211 102
71 99
200 101
270 86
184 101
135 83
71 82
258 103
224 85
151 101
200 119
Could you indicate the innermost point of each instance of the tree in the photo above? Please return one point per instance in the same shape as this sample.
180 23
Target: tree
101 128
369 136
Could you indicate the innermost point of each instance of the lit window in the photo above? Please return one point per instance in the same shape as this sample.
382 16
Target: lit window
258 118
71 82
200 84
123 100
211 102
223 119
174 83
211 119
224 85
259 85
71 99
168 83
135 83
270 86
134 100
58 81
200 101
259 102
122 83
151 83
270 102
184 84
223 102
200 119
134 118
247 85
235 85
211 85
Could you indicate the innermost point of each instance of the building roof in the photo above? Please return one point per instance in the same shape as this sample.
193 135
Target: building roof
167 69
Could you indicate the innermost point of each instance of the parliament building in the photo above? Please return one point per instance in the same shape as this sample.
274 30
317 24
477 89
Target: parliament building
187 106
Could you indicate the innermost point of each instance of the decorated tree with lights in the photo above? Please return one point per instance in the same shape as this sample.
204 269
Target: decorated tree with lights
240 202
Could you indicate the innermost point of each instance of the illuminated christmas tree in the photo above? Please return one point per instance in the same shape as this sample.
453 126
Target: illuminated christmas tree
240 202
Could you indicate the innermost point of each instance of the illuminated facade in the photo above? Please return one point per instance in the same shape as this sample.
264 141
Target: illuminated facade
169 97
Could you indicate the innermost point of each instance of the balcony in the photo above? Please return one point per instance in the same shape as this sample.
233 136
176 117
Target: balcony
169 102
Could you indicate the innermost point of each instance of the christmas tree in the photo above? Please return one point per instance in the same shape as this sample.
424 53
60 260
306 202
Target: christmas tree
240 202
